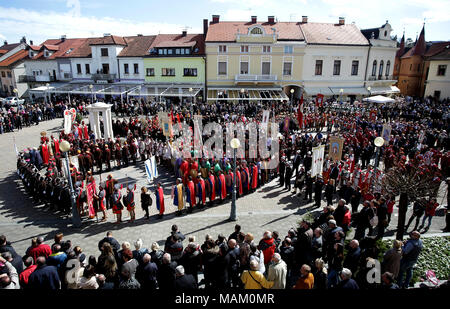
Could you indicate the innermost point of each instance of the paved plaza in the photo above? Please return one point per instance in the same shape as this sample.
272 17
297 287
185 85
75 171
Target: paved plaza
270 208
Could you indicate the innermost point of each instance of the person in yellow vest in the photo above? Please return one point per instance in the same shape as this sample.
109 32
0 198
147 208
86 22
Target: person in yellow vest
178 196
306 280
253 279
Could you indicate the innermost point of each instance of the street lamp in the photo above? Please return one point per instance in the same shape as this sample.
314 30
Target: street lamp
292 95
379 142
64 146
341 91
17 96
46 93
235 143
242 94
92 93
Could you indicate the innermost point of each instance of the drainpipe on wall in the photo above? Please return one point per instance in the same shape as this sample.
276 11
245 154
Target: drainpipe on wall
367 64
205 94
118 69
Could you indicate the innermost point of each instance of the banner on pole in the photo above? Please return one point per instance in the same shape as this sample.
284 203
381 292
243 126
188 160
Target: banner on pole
67 121
317 160
386 132
90 191
265 119
151 169
335 150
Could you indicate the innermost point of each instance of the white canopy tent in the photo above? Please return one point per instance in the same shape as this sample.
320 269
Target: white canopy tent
379 99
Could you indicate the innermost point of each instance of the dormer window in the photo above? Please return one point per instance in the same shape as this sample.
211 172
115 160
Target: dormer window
31 54
69 51
256 31
46 53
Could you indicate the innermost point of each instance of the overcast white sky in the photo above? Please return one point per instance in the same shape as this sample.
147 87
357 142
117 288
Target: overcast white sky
43 19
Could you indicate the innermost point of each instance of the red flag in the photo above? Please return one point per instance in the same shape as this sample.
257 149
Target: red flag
300 113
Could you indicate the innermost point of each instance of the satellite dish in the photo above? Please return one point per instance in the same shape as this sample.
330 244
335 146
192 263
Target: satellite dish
379 141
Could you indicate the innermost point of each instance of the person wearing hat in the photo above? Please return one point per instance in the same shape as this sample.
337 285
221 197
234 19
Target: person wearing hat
129 202
101 201
117 204
190 194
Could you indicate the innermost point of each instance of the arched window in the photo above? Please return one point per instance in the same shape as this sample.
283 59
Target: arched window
380 73
374 68
256 30
388 67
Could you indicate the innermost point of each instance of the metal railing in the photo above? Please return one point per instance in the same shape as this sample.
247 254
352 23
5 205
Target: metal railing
257 78
36 78
100 76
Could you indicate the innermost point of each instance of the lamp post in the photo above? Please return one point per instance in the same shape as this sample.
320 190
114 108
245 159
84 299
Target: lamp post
92 93
64 146
235 143
292 96
242 94
341 91
46 93
379 142
17 97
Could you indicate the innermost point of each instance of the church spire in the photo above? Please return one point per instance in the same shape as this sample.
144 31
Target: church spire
420 46
401 50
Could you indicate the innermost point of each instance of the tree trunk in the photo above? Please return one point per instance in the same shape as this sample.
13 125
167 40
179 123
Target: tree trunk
402 209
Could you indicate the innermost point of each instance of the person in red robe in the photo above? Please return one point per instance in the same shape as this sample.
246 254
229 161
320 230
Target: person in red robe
212 188
85 131
56 143
45 153
159 193
254 176
222 186
246 178
239 183
201 191
190 194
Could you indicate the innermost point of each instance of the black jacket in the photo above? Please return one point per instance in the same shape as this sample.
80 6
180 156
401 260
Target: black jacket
112 241
166 276
186 282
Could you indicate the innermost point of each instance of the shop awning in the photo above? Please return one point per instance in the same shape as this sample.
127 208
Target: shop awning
250 94
42 89
384 90
350 91
183 90
316 90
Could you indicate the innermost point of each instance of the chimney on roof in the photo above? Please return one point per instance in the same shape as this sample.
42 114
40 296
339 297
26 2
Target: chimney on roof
205 27
183 33
215 19
5 42
254 19
139 34
271 19
341 20
31 42
24 40
304 19
63 38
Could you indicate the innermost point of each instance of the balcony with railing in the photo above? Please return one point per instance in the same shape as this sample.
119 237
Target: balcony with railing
103 77
255 78
36 78
381 77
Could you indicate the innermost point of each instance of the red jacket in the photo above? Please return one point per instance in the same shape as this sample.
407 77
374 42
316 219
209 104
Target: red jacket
39 250
23 277
267 246
347 218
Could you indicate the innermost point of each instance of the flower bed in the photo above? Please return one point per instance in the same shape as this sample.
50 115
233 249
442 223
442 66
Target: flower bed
435 256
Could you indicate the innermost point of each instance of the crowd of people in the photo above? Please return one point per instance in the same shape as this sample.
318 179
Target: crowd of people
314 256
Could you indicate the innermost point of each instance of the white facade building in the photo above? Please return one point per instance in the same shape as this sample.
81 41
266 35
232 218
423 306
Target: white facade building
438 79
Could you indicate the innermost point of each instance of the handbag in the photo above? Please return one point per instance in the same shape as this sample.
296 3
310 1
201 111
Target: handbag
256 281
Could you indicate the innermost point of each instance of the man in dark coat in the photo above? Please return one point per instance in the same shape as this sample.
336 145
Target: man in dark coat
288 176
98 157
318 186
111 240
107 156
166 274
184 281
191 260
146 273
44 276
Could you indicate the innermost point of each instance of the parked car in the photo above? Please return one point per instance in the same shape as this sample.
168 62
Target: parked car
13 101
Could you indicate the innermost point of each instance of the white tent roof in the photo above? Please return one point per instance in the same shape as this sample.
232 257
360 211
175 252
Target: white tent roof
379 99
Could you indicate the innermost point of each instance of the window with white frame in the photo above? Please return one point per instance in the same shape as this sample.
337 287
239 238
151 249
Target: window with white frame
266 49
244 48
265 70
337 67
167 72
244 67
190 71
355 64
126 69
150 71
222 48
136 68
288 49
287 68
222 67
441 69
